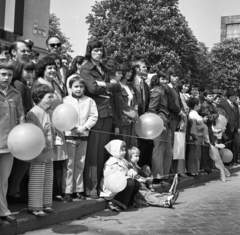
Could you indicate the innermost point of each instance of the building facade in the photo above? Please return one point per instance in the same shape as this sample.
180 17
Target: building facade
25 19
230 27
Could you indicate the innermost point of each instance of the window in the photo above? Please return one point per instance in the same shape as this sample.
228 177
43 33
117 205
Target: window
233 30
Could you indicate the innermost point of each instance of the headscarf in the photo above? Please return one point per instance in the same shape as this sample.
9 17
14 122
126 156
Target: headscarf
114 147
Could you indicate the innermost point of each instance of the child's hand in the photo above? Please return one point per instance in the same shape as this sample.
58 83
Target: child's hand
80 129
205 119
131 173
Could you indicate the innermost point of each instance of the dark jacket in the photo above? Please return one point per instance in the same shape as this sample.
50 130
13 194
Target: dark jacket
142 104
101 95
208 109
173 108
232 114
159 104
25 92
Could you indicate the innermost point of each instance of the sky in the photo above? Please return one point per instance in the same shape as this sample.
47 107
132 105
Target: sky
203 16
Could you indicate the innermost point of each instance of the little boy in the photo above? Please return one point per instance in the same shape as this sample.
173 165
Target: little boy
146 193
11 114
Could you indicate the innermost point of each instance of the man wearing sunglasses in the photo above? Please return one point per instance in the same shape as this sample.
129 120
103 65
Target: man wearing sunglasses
53 44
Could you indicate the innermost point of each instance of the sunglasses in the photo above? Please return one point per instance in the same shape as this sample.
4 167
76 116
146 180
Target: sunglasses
55 44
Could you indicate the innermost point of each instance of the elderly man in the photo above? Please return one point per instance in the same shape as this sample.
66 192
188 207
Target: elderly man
53 44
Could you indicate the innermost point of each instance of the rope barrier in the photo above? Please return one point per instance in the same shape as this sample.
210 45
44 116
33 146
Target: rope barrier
137 137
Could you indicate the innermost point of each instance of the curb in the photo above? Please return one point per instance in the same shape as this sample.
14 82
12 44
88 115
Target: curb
67 211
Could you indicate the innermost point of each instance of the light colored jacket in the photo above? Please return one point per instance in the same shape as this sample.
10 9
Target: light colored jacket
41 116
11 114
112 164
87 113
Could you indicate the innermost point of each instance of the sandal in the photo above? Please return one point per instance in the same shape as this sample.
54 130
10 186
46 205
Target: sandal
37 213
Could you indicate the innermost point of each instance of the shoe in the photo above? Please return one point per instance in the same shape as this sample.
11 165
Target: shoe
8 218
17 198
48 209
58 198
175 197
67 197
94 196
80 196
183 175
37 213
168 202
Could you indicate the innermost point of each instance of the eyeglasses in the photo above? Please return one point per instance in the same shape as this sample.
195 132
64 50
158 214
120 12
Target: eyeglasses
55 44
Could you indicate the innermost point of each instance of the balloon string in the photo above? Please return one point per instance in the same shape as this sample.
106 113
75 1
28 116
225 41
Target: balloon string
166 141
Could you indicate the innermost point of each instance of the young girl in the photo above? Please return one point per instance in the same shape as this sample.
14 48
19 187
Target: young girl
143 176
77 138
41 168
125 198
11 114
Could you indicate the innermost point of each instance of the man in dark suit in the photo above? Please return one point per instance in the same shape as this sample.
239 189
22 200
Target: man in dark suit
177 116
232 130
142 92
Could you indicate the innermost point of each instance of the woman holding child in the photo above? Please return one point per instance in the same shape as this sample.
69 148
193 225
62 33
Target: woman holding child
46 73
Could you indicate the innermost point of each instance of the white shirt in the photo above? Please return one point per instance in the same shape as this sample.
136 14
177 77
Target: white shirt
130 95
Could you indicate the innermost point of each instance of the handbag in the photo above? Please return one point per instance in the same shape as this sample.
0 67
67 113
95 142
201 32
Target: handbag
179 145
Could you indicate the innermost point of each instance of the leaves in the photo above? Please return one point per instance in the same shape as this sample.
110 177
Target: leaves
153 30
225 61
54 29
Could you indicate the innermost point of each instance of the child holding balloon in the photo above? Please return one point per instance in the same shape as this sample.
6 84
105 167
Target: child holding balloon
119 191
41 168
11 114
76 139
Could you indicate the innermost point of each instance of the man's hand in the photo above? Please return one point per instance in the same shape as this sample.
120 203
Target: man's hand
117 131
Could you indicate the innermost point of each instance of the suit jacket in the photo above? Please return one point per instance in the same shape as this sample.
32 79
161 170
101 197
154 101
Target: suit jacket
142 99
173 108
101 95
232 114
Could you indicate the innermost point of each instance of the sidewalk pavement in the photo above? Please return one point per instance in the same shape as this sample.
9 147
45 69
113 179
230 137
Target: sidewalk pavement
78 208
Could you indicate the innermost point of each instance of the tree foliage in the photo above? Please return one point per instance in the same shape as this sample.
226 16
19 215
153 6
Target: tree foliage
55 30
153 30
225 61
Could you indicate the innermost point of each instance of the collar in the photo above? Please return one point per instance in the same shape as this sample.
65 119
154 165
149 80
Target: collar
230 102
90 65
170 85
8 89
77 97
44 106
